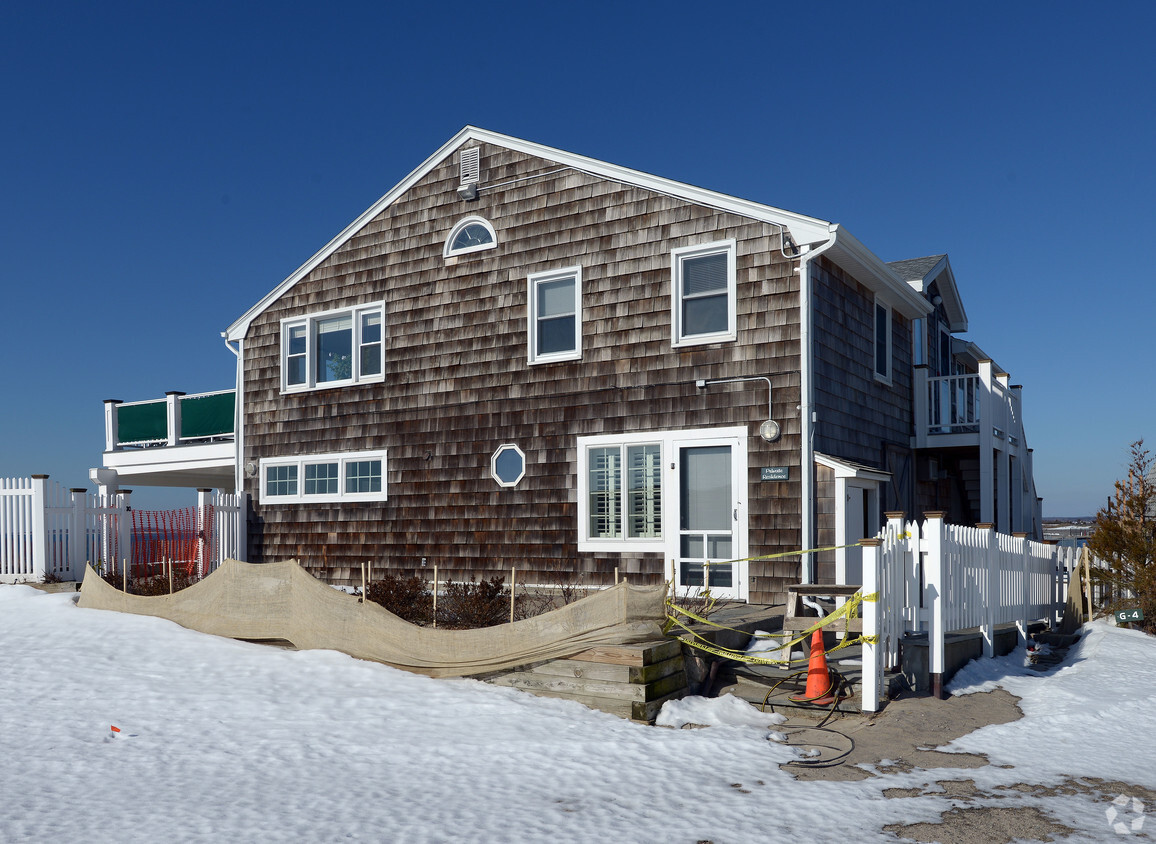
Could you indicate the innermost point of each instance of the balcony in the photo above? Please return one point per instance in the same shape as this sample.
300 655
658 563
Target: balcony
982 413
178 441
965 410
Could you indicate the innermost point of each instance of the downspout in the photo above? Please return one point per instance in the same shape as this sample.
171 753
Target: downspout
807 403
238 414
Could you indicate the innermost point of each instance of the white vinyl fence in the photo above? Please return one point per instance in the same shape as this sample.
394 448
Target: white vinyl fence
940 578
48 531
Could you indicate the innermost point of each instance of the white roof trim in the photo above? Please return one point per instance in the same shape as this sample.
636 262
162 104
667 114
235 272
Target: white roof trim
847 469
850 254
804 230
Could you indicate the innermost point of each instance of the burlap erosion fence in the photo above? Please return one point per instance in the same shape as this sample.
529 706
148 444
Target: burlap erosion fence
281 601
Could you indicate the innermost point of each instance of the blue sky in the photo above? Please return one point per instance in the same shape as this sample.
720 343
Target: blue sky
165 165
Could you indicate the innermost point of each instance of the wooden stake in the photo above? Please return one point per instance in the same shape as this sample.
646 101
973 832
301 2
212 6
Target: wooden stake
616 575
170 575
124 575
435 591
1087 580
363 565
513 581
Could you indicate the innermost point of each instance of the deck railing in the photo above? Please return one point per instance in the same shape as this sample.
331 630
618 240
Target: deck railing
177 419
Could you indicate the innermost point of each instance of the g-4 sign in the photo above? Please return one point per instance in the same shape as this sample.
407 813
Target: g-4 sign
1125 616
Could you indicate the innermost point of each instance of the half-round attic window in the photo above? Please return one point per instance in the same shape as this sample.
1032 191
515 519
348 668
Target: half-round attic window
472 234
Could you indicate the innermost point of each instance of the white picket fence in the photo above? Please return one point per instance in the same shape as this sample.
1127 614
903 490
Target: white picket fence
48 531
940 578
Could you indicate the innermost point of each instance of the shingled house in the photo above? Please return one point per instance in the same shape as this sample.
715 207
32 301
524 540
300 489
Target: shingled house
522 356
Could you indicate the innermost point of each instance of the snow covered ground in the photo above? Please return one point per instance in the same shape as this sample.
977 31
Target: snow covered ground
228 741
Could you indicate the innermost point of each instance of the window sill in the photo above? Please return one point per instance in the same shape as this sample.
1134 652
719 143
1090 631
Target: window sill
559 358
622 546
332 385
705 340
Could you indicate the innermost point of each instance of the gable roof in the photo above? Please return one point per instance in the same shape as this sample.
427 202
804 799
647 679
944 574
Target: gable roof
845 250
921 273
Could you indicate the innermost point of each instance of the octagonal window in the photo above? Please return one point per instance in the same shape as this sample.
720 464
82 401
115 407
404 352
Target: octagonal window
508 465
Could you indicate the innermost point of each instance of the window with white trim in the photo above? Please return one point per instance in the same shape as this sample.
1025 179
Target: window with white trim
703 293
620 492
882 341
508 465
554 303
332 348
339 477
470 234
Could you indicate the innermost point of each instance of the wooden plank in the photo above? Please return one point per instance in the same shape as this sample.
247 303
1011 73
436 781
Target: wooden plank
640 654
805 622
611 672
827 590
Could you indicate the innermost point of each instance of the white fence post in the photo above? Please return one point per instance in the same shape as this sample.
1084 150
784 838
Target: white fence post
1025 595
77 540
242 526
205 542
873 653
124 531
39 527
933 574
990 588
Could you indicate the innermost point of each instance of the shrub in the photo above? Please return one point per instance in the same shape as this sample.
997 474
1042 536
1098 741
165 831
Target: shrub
474 603
406 597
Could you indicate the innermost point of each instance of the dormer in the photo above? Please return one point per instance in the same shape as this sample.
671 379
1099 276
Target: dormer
932 277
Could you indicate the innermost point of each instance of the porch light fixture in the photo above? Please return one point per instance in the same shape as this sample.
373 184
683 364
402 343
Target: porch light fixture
770 430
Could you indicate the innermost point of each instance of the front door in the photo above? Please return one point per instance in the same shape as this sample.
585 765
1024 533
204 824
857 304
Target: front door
710 540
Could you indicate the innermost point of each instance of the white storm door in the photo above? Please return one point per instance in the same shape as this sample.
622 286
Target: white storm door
709 530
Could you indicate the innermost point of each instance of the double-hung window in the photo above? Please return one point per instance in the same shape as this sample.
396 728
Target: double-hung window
882 346
349 476
333 348
555 315
620 489
703 293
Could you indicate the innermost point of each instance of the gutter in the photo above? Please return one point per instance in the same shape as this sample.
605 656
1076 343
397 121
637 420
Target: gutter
238 413
807 403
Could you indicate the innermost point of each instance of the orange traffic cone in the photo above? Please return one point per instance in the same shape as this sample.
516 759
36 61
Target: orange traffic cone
821 689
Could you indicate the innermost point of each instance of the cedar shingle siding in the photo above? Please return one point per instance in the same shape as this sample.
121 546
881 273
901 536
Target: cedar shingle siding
457 382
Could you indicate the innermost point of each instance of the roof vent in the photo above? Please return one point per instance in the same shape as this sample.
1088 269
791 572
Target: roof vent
469 170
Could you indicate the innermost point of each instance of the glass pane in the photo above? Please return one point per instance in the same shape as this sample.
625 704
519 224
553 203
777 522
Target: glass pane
508 466
691 545
297 340
556 335
363 476
690 574
704 315
704 274
722 576
281 480
644 491
705 488
881 340
335 348
371 328
604 466
321 478
556 298
296 373
475 234
371 360
718 546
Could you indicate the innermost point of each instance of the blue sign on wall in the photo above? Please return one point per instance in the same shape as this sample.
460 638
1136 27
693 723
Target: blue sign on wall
776 473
